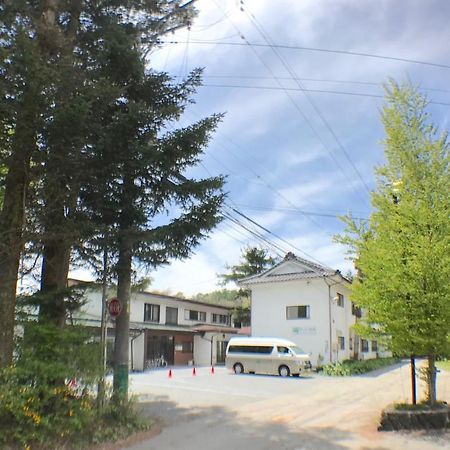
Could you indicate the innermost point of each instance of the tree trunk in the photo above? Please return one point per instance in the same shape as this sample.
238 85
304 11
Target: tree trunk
431 380
55 269
12 218
122 331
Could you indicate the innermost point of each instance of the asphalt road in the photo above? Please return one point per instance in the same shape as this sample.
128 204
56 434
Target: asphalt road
223 411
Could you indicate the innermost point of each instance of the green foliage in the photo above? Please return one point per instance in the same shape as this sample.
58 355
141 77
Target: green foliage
47 397
443 365
253 261
221 296
354 367
403 253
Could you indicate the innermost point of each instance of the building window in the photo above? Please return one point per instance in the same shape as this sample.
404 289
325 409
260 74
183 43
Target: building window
297 312
151 313
341 341
374 346
364 345
221 318
184 347
199 316
340 300
171 316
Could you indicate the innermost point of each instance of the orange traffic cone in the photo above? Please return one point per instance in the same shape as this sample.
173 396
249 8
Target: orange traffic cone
212 370
170 373
194 372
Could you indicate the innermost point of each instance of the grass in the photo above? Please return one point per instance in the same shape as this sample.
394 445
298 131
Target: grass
443 365
422 406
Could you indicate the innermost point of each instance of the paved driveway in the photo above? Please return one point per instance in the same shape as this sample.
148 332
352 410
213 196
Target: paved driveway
225 411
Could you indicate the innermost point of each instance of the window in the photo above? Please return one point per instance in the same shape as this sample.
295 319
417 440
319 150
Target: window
264 349
283 350
184 347
151 313
341 341
374 346
171 315
221 318
199 316
297 312
340 300
364 345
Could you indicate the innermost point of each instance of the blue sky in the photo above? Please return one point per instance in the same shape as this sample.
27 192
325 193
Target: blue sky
286 151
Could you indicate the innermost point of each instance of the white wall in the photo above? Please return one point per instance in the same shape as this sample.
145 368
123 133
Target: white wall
202 347
269 302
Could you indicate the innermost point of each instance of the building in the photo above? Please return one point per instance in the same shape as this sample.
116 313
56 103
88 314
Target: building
168 329
308 304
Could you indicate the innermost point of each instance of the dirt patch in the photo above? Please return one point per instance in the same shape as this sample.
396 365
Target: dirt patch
130 440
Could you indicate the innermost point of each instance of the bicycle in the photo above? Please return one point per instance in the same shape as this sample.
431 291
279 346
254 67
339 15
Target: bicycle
155 363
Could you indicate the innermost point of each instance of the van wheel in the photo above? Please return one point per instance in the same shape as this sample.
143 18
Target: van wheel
238 368
284 371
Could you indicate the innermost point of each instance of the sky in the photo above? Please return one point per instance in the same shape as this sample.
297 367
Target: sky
301 134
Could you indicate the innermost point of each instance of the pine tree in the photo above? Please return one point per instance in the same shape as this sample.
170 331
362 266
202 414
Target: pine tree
143 180
56 64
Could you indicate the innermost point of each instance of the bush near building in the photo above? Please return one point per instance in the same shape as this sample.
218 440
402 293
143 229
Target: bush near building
353 367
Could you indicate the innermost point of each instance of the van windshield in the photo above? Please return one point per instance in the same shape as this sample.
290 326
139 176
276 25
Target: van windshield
297 350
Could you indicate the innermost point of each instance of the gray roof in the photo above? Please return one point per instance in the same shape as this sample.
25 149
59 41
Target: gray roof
306 269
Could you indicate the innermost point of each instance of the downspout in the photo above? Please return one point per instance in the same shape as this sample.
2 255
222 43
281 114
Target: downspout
329 312
329 320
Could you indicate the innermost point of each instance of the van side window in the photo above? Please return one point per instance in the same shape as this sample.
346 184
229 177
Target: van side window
283 350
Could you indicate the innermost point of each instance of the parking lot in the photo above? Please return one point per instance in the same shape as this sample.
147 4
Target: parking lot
226 411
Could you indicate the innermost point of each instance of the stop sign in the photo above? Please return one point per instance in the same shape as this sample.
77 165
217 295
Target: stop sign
114 307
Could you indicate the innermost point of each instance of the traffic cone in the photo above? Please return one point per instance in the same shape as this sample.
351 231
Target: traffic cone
170 373
194 372
212 370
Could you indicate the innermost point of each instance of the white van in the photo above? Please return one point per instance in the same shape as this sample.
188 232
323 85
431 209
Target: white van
266 355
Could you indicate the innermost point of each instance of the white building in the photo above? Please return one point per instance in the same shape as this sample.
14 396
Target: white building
182 331
308 304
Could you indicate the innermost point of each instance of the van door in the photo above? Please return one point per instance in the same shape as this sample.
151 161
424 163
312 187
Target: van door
282 357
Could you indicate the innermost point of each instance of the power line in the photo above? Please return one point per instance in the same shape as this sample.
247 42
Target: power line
295 104
315 80
266 37
298 211
274 235
319 91
313 49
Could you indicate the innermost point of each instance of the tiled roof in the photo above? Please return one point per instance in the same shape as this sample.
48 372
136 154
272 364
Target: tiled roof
306 269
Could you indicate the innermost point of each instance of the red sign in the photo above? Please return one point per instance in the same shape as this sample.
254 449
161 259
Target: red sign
114 307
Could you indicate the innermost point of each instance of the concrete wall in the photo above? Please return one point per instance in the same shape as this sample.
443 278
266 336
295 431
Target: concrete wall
269 302
202 347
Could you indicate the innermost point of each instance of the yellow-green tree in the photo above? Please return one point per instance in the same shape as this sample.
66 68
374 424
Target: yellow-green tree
403 252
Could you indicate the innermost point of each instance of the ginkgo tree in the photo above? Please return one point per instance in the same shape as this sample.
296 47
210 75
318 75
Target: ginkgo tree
403 252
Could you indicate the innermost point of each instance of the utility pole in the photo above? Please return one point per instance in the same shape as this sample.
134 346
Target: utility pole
104 332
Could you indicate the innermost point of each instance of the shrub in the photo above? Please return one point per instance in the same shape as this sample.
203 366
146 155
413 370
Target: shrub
47 397
357 367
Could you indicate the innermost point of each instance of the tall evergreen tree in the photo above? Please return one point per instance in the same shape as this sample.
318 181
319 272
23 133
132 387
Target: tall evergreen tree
403 254
52 53
147 208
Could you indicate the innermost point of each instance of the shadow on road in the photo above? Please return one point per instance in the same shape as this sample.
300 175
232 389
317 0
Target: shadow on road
217 428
